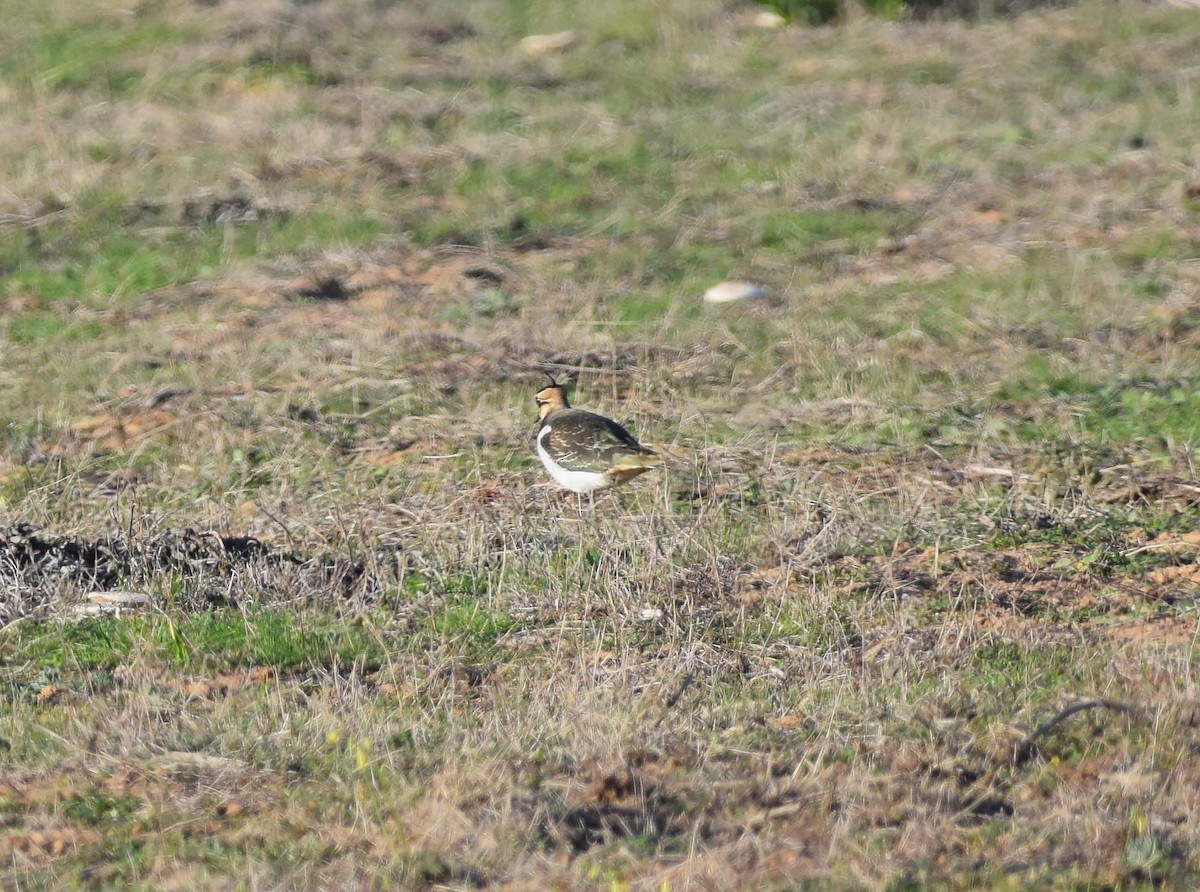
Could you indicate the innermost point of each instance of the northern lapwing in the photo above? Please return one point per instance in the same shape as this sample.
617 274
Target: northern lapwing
584 451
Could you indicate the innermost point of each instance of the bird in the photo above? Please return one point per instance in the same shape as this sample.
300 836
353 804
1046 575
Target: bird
584 451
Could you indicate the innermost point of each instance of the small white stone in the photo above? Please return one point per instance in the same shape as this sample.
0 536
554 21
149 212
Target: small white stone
768 19
728 292
541 44
650 614
113 604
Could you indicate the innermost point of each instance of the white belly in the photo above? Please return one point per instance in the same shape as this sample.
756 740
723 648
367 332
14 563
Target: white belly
576 481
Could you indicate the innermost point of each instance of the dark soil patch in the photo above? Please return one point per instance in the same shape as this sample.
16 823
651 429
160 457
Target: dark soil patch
39 568
617 807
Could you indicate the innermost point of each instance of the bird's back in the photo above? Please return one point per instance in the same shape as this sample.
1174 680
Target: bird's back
580 440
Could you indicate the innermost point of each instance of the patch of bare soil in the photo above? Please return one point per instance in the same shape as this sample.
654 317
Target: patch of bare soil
613 807
1164 631
223 684
1023 581
1049 588
48 815
131 418
40 569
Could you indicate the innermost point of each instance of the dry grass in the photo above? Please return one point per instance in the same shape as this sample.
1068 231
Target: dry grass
280 282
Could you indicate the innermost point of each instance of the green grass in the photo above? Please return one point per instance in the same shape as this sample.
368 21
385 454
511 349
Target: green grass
465 619
99 259
99 809
87 56
204 642
32 327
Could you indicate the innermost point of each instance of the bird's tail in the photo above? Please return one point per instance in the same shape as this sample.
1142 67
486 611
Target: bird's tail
632 465
626 471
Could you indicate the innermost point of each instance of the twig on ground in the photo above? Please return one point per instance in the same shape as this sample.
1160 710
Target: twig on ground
670 702
283 526
1025 750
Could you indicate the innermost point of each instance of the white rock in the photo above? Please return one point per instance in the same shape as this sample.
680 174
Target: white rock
769 19
728 292
113 604
120 599
540 44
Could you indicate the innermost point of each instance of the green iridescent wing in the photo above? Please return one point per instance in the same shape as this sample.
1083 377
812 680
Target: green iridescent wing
584 441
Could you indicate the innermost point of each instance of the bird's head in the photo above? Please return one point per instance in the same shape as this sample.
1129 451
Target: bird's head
551 397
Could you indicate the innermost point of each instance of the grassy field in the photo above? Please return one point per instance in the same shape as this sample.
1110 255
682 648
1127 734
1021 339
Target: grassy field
280 280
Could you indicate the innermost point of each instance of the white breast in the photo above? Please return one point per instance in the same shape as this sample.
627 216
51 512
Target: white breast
576 481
